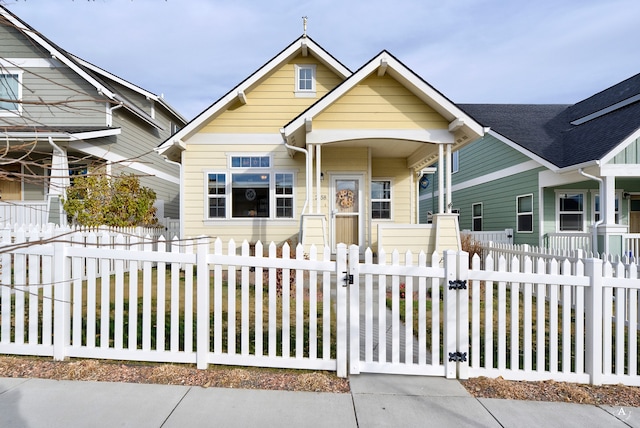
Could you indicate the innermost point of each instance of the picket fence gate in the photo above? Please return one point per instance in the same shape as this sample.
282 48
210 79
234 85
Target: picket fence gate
193 301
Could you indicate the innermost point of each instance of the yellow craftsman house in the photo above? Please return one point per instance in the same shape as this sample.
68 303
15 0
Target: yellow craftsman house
308 151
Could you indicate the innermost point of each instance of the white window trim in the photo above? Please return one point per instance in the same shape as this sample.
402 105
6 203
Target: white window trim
229 189
304 93
518 214
595 194
6 113
206 195
584 207
371 200
474 217
455 161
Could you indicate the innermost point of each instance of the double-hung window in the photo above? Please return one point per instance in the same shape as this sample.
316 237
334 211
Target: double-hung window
10 93
217 195
250 188
524 213
305 85
381 199
477 217
570 212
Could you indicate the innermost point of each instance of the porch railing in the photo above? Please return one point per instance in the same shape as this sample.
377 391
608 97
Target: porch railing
568 241
20 212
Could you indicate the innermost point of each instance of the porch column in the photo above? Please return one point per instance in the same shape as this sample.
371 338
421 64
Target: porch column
318 177
448 169
440 179
608 199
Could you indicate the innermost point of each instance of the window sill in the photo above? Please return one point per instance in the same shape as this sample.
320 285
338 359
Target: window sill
305 94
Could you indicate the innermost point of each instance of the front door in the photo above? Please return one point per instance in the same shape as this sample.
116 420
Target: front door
346 210
10 183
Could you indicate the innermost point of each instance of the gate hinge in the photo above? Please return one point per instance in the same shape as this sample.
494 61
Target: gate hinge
348 279
458 357
458 284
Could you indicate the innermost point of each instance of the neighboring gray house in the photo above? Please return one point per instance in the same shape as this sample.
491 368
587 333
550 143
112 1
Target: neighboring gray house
62 116
555 174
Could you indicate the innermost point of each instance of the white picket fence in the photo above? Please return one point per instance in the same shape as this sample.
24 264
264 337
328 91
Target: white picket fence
194 302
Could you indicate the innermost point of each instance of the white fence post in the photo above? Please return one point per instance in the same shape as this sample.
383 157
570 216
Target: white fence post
354 309
449 315
62 304
593 315
341 311
462 316
202 304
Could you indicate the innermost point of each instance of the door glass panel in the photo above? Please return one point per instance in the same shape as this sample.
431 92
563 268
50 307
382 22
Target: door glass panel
346 196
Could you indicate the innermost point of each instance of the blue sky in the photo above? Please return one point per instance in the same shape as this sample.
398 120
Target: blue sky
473 51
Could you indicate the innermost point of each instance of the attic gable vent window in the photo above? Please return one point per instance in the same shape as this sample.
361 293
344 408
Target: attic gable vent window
305 85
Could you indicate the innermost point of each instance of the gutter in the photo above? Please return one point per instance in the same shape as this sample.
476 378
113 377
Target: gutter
594 231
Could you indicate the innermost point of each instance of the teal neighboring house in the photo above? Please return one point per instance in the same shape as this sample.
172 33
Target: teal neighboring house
561 176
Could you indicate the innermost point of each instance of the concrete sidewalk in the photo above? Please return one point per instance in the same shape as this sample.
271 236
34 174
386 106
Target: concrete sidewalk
375 401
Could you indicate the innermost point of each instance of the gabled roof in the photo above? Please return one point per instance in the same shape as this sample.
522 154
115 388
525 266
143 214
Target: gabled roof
384 62
304 45
569 136
82 69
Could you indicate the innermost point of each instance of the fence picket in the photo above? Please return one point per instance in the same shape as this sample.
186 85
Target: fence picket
408 312
119 297
231 302
259 292
174 344
382 311
591 337
286 304
326 314
133 296
244 323
514 340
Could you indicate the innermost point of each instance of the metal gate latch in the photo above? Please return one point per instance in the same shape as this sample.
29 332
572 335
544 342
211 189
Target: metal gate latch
348 279
458 357
458 284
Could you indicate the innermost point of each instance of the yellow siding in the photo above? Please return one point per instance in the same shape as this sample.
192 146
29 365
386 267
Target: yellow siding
379 103
447 232
200 159
272 103
414 238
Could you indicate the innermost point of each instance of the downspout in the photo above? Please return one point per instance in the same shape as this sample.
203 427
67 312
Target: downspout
110 113
596 224
308 172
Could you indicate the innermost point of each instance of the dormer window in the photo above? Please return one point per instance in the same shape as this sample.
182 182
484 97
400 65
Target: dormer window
305 80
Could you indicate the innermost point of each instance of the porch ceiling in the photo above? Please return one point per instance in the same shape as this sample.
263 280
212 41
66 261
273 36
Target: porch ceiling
386 147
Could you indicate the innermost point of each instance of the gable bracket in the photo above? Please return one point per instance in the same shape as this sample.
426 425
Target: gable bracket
383 67
304 47
456 124
242 97
308 124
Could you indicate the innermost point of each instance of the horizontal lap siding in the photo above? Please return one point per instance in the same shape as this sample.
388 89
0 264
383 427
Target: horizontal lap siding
379 103
402 191
486 156
272 103
203 158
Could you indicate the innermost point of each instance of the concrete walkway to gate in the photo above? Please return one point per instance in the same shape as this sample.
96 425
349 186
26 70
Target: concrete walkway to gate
374 401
